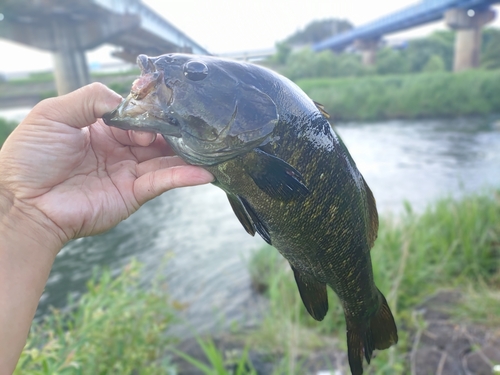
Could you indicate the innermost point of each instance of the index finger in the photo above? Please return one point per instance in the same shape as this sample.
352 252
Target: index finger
79 108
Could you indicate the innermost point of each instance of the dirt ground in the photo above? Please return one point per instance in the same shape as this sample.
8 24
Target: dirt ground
441 347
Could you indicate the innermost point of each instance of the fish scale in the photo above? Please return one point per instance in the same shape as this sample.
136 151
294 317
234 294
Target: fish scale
287 174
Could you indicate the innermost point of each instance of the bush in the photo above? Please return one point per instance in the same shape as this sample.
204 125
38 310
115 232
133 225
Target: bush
437 94
116 328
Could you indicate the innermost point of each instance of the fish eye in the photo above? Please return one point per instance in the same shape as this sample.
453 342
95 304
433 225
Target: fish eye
195 70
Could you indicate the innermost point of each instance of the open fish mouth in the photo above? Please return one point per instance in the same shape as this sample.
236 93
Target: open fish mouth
146 105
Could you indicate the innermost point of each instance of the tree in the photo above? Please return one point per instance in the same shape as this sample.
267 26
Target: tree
420 50
490 56
434 64
391 61
316 31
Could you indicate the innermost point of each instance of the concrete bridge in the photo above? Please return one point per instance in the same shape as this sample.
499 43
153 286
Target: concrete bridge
467 17
69 28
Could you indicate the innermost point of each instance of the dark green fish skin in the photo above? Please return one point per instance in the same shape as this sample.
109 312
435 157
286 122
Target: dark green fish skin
289 178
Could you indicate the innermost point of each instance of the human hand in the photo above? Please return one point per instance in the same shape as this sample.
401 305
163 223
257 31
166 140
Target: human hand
69 173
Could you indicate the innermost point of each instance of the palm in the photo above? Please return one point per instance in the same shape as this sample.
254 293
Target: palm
83 180
92 191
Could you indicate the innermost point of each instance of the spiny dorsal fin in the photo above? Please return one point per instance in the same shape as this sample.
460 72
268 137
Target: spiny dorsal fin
322 109
313 294
372 215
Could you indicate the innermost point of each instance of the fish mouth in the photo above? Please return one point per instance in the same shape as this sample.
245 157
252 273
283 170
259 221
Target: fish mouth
146 107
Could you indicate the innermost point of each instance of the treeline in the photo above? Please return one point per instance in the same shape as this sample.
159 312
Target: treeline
430 54
438 94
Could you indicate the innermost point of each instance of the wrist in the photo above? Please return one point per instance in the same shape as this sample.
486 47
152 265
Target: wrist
25 227
27 253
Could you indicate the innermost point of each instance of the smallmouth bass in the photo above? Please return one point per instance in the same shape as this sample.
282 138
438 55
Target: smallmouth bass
287 175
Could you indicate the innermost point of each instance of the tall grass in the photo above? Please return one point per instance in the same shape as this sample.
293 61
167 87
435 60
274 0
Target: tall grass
116 328
439 94
453 244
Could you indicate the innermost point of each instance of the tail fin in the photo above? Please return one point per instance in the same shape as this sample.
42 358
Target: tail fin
362 340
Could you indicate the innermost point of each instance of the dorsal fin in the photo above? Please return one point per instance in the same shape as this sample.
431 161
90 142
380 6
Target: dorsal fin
372 215
322 109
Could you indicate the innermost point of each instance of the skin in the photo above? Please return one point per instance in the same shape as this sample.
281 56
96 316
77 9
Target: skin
65 175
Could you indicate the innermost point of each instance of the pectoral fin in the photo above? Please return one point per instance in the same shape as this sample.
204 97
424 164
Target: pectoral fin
275 177
313 294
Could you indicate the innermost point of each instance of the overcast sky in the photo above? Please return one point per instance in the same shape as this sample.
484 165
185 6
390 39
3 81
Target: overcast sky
233 25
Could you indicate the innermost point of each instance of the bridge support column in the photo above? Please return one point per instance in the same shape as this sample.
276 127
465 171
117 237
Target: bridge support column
468 25
368 47
70 62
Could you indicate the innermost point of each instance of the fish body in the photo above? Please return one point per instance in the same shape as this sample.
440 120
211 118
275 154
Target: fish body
287 174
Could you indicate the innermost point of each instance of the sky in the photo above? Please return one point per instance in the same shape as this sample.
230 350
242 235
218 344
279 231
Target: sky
223 26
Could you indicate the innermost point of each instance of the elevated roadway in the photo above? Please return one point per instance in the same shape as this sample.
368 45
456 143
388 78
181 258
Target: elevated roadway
69 28
466 16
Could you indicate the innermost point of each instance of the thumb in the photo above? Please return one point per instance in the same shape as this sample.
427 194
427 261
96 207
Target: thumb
79 108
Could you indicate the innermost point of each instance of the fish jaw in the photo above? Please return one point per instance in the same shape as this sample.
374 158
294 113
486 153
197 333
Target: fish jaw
146 108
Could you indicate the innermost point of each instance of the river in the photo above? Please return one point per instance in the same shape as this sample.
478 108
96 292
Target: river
207 248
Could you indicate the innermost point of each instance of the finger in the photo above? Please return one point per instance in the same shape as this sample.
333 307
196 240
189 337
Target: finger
79 108
158 148
152 184
142 138
158 163
133 138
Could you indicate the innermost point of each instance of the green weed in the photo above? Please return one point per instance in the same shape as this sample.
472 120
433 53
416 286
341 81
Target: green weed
433 94
116 328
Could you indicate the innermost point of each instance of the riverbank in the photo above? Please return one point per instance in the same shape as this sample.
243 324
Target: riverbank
440 271
363 98
407 96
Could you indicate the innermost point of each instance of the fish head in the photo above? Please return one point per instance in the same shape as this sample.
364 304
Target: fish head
200 104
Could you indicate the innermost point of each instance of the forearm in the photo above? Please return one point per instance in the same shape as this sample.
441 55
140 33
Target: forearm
26 256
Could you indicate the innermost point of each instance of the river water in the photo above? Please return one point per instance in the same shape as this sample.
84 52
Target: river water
207 248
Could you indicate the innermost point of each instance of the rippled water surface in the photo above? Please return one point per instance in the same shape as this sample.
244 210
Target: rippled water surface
417 161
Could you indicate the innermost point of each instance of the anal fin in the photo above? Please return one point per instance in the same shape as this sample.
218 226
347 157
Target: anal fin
313 294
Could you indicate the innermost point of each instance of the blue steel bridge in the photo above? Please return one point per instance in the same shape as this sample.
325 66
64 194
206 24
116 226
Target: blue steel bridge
419 14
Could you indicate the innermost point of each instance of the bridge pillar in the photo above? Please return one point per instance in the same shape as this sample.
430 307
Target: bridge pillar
468 25
70 62
368 48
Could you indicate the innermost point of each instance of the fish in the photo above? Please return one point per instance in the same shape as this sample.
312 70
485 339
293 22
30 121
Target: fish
287 174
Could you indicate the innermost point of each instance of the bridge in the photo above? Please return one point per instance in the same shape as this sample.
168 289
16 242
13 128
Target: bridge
467 17
69 28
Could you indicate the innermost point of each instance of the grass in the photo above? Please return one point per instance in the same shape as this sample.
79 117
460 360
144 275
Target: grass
116 328
439 94
453 244
217 364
